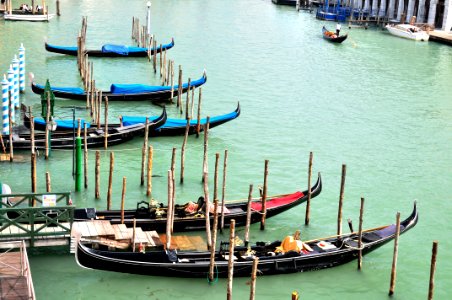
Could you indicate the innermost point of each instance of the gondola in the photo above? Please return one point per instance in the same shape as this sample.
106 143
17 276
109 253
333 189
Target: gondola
326 253
109 50
117 134
153 216
172 127
331 36
122 92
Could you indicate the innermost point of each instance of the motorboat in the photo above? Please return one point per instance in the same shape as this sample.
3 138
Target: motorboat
408 31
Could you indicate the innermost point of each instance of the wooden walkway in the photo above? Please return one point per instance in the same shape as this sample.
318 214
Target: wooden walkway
121 237
439 36
15 274
53 236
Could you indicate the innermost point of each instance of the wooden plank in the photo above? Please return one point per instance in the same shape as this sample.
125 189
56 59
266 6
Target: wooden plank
99 228
118 233
92 228
124 231
150 240
108 229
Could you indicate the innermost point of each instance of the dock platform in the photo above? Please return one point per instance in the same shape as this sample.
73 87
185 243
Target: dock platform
15 274
443 37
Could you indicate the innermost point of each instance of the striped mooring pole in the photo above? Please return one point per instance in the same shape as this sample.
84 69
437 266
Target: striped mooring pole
22 68
15 64
11 94
5 106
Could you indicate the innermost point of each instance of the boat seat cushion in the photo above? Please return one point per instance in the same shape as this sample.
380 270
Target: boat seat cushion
118 49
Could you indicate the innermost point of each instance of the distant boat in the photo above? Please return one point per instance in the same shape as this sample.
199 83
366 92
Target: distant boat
19 15
109 50
408 31
332 37
285 2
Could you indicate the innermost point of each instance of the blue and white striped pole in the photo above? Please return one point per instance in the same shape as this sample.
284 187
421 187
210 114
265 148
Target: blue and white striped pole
15 64
11 94
5 106
22 68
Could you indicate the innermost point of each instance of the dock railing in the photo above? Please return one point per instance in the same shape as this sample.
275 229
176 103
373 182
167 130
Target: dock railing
35 217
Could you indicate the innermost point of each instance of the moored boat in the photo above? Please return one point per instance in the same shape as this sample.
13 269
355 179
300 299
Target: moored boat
109 50
191 215
20 15
408 31
332 37
122 92
117 134
314 255
172 127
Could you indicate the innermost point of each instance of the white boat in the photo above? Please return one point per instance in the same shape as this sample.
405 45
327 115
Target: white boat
408 31
28 17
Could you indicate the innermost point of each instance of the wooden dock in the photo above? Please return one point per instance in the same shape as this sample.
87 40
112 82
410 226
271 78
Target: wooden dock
121 237
443 37
15 274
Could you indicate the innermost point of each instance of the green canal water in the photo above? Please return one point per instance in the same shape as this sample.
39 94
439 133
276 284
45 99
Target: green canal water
379 104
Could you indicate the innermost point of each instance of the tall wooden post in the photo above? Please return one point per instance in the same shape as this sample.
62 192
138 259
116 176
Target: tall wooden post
253 278
110 180
264 196
231 259
182 159
144 149
187 102
85 152
223 190
123 198
106 124
206 213
47 135
215 177
33 172
149 173
206 137
134 234
341 200
48 183
97 175
431 285
169 213
214 241
198 124
248 216
360 235
308 203
394 260
173 171
179 87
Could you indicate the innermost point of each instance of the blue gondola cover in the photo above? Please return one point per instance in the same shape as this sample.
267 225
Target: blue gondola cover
119 49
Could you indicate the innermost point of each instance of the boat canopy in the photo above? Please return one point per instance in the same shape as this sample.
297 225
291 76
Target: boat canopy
65 124
71 90
118 49
142 88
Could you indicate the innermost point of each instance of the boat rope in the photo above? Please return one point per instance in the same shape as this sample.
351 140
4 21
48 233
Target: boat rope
215 280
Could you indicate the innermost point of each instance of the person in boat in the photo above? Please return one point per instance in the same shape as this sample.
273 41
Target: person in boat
38 8
293 243
338 28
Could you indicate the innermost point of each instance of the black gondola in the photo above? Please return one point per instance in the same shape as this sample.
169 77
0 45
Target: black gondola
331 36
110 50
122 92
117 134
326 253
153 216
172 127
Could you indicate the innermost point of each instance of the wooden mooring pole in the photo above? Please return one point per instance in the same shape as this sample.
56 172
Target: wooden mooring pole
308 203
206 213
206 138
110 179
341 200
149 171
223 189
182 158
33 172
264 196
85 151
179 88
106 124
215 177
360 235
253 278
168 213
214 241
48 183
431 285
97 175
394 260
198 124
248 216
231 259
123 198
144 149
